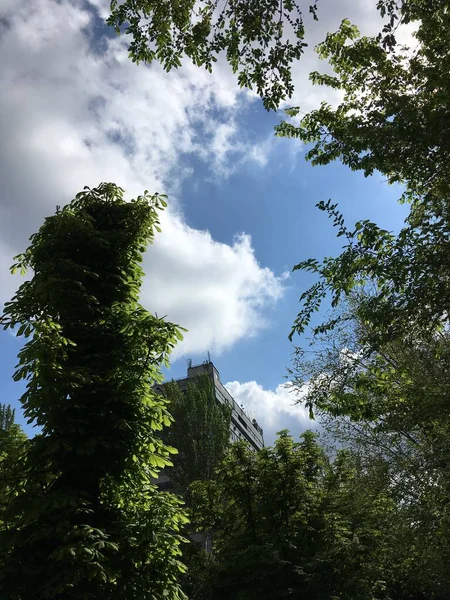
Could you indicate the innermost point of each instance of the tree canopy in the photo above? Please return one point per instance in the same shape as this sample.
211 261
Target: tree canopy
13 443
392 120
80 514
287 522
88 522
260 40
200 431
391 405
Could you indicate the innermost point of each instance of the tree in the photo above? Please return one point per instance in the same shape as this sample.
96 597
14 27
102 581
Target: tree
261 40
384 373
12 438
7 415
200 431
391 405
88 521
289 523
12 446
393 120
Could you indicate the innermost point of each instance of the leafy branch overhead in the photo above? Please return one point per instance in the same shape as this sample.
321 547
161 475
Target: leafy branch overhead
402 270
393 120
260 39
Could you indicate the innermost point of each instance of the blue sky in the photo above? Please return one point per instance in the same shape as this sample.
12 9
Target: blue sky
276 205
241 202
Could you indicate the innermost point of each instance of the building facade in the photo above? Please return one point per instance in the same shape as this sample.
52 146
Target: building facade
242 426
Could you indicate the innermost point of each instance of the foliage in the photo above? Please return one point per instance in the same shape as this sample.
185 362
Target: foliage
196 582
201 434
392 405
200 431
288 523
88 522
7 415
12 446
261 39
379 371
394 120
12 438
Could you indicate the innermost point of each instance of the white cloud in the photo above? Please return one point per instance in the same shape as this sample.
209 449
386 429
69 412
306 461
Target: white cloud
228 149
217 291
273 409
103 7
223 147
78 112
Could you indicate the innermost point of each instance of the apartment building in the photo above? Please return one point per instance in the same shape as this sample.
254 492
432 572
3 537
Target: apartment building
243 427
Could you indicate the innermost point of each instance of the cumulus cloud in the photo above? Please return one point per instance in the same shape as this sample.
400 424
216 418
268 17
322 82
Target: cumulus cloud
75 111
273 409
78 112
217 291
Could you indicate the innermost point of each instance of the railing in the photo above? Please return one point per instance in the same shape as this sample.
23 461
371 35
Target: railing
250 430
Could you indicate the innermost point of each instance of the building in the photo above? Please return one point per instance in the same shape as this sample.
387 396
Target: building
242 426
